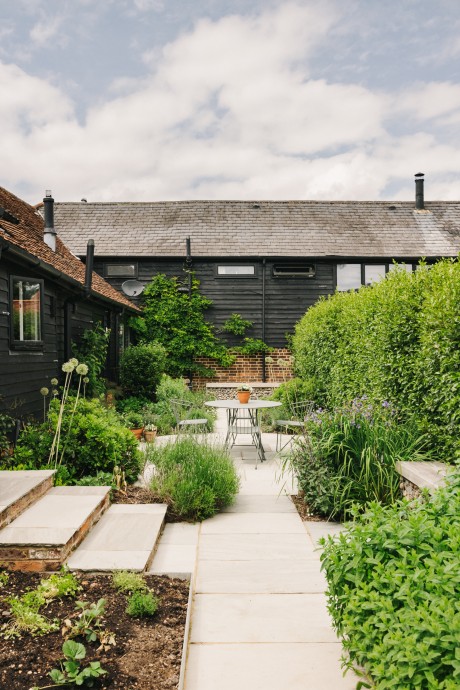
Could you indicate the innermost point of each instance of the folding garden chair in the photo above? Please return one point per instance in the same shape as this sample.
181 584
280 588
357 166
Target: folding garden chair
295 424
183 410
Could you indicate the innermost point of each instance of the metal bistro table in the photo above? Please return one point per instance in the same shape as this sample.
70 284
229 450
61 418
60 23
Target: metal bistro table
243 418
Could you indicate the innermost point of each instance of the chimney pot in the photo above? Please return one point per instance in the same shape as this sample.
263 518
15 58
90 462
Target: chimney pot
49 235
419 192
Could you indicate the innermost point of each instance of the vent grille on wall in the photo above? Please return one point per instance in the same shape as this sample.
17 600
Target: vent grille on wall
294 270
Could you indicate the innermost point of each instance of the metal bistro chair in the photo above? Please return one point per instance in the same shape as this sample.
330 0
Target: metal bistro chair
298 416
184 422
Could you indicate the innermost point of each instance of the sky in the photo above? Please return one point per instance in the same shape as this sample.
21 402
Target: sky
149 100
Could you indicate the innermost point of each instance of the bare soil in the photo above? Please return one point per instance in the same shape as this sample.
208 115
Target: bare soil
304 510
141 494
147 652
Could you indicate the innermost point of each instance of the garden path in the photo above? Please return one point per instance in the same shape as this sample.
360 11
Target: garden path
259 619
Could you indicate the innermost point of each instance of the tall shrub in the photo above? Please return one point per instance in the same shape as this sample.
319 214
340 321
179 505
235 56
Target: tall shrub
397 340
175 318
141 368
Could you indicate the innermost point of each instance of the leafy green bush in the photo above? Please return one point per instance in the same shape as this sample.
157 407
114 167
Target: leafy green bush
394 592
161 413
94 441
142 604
175 318
141 368
348 457
397 340
92 349
194 478
127 581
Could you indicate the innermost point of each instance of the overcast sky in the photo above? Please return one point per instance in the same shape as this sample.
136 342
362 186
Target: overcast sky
117 100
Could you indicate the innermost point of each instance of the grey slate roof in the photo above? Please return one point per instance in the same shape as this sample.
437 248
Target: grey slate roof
262 228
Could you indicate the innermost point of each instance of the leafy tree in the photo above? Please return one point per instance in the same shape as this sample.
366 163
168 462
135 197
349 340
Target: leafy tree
175 318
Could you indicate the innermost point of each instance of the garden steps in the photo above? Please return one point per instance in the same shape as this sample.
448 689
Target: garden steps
42 537
124 539
18 490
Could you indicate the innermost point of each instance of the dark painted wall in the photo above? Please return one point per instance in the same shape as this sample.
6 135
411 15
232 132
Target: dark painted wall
23 373
286 299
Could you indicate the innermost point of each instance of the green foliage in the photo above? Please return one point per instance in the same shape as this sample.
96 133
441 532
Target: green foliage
236 325
92 349
98 479
71 671
25 616
394 592
4 577
89 622
142 604
126 581
58 585
347 458
176 320
141 368
195 479
6 427
398 340
252 346
161 413
95 441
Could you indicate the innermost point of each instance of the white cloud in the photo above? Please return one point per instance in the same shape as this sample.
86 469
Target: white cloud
46 29
231 109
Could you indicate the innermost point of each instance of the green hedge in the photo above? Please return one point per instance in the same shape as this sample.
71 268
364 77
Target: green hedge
398 340
394 592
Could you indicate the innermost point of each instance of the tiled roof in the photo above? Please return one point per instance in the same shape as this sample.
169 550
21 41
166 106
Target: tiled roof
263 228
28 235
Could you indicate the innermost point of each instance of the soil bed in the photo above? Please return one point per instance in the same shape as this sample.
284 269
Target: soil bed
304 510
147 651
141 494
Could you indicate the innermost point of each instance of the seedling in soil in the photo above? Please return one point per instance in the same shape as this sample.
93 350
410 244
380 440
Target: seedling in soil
71 671
88 623
126 581
142 604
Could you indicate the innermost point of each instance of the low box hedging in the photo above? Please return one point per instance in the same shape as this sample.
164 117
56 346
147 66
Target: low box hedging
394 592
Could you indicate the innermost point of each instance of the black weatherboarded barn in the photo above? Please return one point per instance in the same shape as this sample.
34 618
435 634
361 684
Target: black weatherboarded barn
267 260
46 301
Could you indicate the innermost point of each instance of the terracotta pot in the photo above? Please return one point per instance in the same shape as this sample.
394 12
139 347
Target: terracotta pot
138 433
150 436
243 396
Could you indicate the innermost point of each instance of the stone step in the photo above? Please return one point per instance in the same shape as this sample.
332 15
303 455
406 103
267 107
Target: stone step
124 539
18 490
42 537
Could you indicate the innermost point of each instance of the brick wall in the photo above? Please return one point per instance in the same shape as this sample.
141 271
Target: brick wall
248 369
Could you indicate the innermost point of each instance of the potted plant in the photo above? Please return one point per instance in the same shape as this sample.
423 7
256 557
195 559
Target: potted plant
243 392
150 431
135 422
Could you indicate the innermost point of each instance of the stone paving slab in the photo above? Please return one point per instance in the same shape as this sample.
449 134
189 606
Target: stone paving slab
243 618
290 666
14 485
251 547
181 533
319 529
131 531
174 560
263 577
253 523
261 504
54 516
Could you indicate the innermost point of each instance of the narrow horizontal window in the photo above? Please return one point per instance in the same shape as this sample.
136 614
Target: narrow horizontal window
236 270
26 312
120 270
294 270
348 277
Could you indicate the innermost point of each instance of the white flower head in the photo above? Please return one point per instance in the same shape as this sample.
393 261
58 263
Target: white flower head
73 361
44 391
82 369
68 367
54 382
86 380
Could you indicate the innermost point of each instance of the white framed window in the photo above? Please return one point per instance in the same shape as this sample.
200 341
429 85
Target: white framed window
406 267
120 270
373 273
26 312
348 277
236 270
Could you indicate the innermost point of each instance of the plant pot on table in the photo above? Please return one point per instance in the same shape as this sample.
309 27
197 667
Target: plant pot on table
243 396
